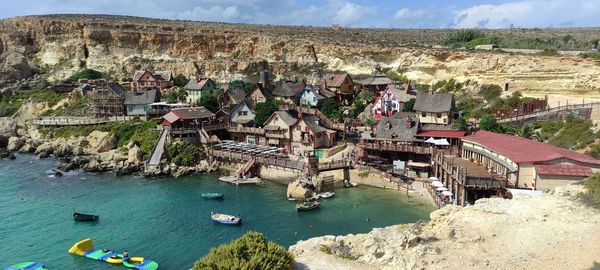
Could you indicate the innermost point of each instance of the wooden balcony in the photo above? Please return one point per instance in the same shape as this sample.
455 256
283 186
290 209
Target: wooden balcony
247 130
393 147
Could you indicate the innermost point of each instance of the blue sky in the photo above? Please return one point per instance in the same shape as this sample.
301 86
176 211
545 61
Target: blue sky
353 13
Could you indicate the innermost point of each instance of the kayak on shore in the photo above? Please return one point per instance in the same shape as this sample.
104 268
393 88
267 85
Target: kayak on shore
86 249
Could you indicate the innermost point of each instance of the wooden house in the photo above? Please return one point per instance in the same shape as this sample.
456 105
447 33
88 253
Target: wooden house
198 86
310 96
288 90
187 123
139 103
342 85
145 80
108 99
434 108
309 136
376 82
231 97
278 129
389 101
243 114
261 93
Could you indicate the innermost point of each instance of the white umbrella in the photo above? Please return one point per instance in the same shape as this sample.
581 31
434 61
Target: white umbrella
447 193
437 184
433 178
441 189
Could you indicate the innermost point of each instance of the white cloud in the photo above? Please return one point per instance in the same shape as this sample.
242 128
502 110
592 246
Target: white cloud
214 13
350 13
529 13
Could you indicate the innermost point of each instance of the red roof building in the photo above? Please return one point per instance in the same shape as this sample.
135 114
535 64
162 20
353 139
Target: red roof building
527 163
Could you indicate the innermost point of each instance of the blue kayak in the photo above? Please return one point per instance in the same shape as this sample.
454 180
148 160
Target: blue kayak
27 266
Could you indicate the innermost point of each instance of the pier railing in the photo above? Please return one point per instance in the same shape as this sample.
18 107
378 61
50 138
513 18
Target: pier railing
79 121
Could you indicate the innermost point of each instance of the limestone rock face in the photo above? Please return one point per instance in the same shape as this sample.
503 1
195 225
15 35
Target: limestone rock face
8 128
134 155
296 190
44 150
14 144
121 45
100 141
63 149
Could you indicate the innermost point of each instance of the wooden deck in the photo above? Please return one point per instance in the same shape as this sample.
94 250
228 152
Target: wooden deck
391 147
79 121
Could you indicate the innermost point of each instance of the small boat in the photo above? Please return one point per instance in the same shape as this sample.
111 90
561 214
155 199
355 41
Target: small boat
27 266
327 195
306 206
212 195
85 217
228 179
225 219
86 249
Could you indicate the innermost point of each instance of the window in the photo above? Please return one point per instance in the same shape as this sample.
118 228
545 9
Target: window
438 115
423 114
243 113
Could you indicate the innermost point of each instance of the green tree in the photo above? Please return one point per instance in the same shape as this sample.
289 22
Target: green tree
526 131
247 86
89 74
251 251
209 101
331 108
490 92
180 80
594 150
175 96
488 122
461 123
264 110
408 105
371 122
183 153
462 36
592 186
360 103
395 76
515 100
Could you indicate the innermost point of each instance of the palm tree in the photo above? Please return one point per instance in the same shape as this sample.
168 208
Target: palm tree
527 132
461 123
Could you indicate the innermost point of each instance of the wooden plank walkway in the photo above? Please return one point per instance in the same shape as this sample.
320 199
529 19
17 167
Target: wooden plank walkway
79 121
549 111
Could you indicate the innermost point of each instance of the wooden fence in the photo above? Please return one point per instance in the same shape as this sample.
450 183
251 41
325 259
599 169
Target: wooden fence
79 121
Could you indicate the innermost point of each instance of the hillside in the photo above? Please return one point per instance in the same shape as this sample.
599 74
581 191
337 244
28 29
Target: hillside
552 231
58 45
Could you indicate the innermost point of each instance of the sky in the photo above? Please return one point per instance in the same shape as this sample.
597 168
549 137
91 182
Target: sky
348 13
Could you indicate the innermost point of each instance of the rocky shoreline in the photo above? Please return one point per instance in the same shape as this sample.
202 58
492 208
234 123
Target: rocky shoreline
96 152
556 230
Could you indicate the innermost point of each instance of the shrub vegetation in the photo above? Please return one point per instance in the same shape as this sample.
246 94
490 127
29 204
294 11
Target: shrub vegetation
89 74
183 153
251 251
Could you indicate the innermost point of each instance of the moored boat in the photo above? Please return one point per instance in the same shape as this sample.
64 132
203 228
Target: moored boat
86 249
225 219
327 195
26 266
307 206
212 195
85 217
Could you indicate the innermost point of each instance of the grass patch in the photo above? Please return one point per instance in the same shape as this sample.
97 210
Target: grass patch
136 131
10 104
325 249
347 256
363 174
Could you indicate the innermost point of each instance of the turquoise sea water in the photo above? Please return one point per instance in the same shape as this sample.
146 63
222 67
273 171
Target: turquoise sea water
165 219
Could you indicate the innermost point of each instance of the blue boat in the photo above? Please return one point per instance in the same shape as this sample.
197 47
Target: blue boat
225 219
212 195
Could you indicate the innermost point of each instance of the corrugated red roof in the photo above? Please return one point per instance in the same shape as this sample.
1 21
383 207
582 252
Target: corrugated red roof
523 150
187 113
567 170
442 133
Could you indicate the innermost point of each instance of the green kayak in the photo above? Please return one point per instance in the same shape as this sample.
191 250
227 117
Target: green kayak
27 266
212 195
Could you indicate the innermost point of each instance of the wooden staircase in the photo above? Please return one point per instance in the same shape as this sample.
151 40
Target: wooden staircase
246 167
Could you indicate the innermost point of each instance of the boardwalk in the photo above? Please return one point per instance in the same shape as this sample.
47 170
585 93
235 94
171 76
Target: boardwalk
548 112
268 155
158 150
79 121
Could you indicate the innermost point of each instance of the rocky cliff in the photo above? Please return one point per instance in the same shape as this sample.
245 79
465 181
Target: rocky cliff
58 45
551 231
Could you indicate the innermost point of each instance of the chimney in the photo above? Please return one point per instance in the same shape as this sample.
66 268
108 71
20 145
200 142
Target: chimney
408 87
506 87
264 78
323 84
430 91
408 122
